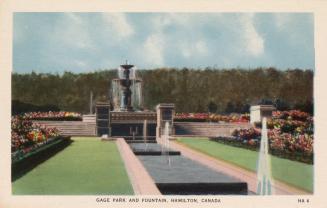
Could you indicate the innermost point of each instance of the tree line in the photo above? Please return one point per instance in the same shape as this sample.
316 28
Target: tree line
192 90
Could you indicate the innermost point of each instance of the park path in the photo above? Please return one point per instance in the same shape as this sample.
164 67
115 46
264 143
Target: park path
141 181
250 177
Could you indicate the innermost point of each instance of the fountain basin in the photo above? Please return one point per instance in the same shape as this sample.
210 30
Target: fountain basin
186 177
151 149
123 124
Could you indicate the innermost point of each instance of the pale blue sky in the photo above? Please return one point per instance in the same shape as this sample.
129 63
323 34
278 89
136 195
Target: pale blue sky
83 42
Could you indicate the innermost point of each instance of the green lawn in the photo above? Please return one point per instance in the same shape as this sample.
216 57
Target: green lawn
87 166
291 172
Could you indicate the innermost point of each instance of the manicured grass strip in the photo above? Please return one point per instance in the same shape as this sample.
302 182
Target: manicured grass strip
87 167
291 172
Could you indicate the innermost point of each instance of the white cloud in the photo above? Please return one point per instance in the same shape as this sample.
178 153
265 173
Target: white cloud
252 41
282 20
154 50
119 24
72 32
74 17
79 63
186 52
201 47
190 49
288 25
180 18
160 21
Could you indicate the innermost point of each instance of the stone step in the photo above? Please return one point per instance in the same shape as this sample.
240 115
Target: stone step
71 128
210 124
88 129
140 141
76 131
68 130
61 124
189 126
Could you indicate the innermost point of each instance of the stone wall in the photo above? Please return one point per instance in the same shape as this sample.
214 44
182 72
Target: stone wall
207 129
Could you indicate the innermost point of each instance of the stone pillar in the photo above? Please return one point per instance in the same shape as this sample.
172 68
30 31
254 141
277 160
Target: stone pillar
257 112
102 111
165 113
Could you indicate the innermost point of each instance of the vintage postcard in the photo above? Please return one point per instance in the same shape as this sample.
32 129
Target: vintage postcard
170 104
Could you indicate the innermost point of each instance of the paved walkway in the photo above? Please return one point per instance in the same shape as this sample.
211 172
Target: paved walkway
141 181
232 170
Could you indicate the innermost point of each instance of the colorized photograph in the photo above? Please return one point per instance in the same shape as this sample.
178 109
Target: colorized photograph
162 103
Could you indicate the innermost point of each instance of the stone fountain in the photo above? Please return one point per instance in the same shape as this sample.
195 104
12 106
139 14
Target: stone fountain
124 116
126 90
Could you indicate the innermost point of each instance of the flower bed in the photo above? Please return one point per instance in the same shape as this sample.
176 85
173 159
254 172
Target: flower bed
291 115
206 117
53 116
32 143
26 135
29 151
290 136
